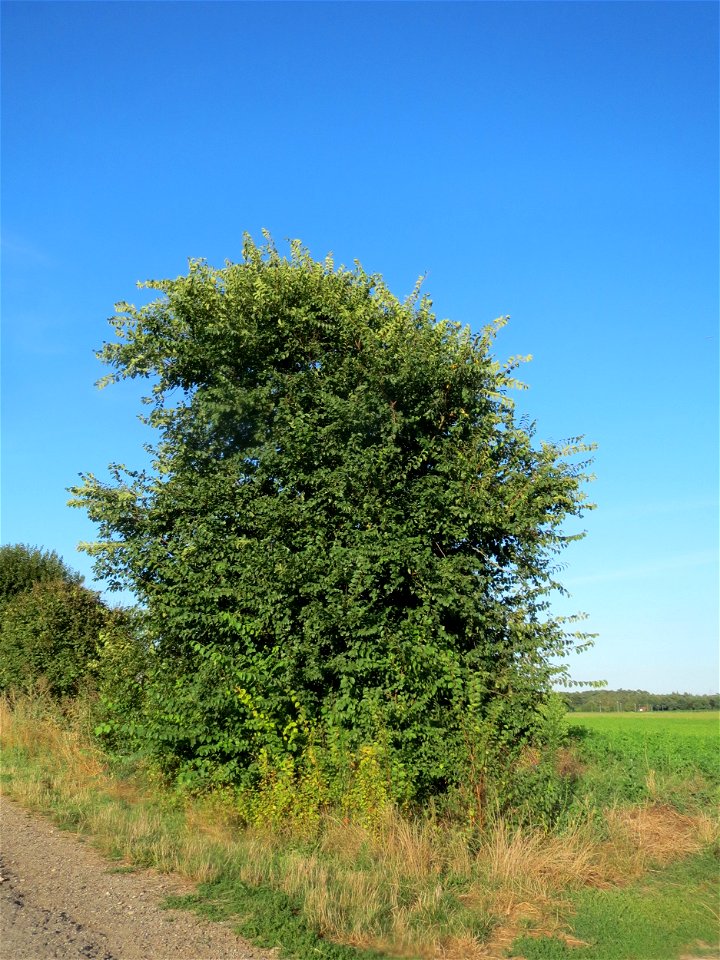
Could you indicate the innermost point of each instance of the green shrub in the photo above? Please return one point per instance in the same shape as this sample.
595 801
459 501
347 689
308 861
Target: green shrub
123 661
49 634
22 566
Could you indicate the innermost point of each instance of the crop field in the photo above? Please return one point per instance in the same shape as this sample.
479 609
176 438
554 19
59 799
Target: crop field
684 723
679 747
668 757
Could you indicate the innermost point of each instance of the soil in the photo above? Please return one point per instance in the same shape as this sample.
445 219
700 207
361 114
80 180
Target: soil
60 899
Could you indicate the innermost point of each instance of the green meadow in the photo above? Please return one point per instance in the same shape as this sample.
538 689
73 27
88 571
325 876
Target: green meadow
684 723
668 757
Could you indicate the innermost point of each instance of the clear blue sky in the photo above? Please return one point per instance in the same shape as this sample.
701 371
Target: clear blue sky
557 162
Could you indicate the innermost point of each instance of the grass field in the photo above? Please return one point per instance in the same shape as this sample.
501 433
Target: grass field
628 873
666 757
685 723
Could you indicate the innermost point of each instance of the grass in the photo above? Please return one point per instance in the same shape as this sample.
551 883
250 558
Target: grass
669 741
398 886
661 757
662 917
672 761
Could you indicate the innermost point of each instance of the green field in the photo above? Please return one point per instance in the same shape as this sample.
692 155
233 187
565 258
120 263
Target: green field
695 723
668 757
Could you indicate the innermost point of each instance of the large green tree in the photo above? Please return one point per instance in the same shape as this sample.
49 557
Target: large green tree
344 529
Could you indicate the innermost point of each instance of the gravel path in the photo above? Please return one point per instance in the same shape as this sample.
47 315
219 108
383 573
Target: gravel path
60 898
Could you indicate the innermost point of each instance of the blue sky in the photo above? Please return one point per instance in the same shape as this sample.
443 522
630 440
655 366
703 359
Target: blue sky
552 161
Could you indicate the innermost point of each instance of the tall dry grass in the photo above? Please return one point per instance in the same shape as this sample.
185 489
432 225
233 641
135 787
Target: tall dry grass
411 887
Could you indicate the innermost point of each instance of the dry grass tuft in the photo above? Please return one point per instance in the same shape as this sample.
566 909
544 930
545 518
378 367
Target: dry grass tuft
522 876
411 846
462 948
344 838
210 820
535 862
652 835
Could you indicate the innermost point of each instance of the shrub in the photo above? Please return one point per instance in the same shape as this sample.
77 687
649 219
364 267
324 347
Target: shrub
22 566
124 660
49 633
346 528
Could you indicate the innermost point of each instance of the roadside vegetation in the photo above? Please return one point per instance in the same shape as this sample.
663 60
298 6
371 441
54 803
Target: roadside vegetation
609 849
334 705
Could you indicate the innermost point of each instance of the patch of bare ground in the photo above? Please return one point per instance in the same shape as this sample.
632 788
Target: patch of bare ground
60 898
703 954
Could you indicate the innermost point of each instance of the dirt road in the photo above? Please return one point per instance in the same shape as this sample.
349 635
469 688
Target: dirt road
60 899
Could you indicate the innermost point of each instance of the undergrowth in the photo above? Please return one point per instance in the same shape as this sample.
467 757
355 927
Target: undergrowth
340 884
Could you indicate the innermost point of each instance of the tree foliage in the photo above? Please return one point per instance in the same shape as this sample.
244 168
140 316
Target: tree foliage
57 633
48 621
346 532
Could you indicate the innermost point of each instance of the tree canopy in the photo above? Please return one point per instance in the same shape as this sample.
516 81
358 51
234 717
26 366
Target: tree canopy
345 532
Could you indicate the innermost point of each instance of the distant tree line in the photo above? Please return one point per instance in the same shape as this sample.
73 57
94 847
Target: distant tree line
640 700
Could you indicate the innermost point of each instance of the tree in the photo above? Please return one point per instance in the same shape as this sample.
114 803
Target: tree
47 620
55 631
345 531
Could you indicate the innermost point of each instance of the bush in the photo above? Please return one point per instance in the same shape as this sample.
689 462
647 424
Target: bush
49 633
124 660
22 566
